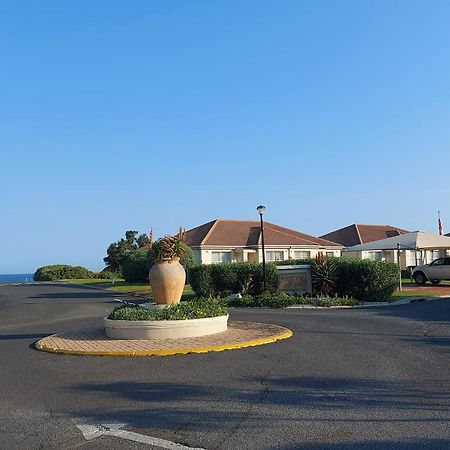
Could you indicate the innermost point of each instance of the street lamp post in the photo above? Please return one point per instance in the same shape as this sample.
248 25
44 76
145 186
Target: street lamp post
261 209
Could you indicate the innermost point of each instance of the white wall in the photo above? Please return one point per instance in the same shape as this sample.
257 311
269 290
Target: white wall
204 255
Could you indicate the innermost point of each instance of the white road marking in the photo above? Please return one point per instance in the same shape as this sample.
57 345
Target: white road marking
115 429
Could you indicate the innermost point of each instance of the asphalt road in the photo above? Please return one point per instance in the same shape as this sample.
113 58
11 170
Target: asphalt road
374 378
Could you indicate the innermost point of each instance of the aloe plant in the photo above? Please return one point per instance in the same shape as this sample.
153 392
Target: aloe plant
167 248
324 275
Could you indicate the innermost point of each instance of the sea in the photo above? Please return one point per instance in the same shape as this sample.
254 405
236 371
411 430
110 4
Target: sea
16 278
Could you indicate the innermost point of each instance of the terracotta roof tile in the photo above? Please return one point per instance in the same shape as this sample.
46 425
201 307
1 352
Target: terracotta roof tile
242 233
356 234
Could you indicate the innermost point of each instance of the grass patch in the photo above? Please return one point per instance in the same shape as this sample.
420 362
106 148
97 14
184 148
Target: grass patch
198 308
404 294
93 281
122 287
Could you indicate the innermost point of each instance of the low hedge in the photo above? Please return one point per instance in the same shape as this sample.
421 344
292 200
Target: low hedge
367 280
61 272
230 278
283 300
362 279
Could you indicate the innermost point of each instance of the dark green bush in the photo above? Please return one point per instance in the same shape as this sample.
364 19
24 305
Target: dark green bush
61 272
134 268
362 279
366 280
107 275
198 308
226 278
201 281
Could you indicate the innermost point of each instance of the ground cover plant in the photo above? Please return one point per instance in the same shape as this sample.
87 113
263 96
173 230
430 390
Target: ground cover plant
198 308
283 300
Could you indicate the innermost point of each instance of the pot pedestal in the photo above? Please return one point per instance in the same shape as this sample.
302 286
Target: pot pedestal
164 329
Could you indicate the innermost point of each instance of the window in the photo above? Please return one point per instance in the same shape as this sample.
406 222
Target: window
330 254
274 255
375 256
436 254
301 254
438 262
220 257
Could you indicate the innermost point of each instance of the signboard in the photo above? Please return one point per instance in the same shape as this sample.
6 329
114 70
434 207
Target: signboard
295 279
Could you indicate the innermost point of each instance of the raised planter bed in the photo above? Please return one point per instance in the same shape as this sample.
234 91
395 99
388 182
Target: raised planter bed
164 329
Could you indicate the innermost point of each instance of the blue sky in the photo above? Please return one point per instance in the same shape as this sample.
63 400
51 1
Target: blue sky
129 115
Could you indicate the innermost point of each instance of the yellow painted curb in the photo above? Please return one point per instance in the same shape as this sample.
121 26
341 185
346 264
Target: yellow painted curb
176 351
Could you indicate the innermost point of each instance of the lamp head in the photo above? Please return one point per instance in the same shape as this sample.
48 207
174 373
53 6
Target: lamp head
261 209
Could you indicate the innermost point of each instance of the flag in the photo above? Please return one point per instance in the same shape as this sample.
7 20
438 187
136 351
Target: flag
439 223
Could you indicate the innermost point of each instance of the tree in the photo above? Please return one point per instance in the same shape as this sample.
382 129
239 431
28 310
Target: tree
118 251
143 241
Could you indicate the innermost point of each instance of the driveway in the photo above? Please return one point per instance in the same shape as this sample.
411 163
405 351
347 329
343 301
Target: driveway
376 378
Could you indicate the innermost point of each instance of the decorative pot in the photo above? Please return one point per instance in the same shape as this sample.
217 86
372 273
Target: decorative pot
167 279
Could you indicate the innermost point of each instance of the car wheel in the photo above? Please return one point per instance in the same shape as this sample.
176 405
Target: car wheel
420 278
435 281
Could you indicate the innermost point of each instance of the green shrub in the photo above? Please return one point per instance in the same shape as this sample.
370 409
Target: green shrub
362 279
201 281
283 300
366 280
198 308
134 268
265 300
226 278
61 272
107 275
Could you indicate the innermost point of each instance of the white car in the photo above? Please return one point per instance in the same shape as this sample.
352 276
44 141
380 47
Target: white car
434 272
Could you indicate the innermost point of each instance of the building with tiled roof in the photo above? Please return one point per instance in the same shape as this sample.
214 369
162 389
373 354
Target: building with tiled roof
356 234
240 240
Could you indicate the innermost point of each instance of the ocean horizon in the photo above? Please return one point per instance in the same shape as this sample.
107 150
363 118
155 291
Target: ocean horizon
16 277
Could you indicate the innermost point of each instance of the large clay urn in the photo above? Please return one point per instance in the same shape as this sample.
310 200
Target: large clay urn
167 278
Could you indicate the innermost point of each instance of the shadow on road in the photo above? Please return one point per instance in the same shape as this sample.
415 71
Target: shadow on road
12 337
428 444
74 295
302 399
431 311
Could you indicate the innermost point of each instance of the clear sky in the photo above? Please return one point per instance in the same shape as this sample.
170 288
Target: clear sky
122 115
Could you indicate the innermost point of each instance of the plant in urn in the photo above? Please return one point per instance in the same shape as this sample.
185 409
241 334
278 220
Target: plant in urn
167 276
